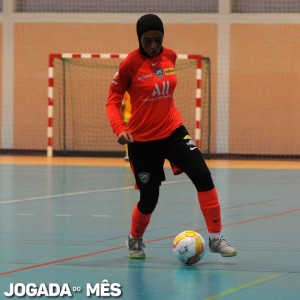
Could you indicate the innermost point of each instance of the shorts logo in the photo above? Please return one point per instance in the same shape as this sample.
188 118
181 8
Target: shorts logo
191 144
144 177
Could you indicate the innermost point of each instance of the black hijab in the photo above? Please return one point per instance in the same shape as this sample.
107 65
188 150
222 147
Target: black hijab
146 23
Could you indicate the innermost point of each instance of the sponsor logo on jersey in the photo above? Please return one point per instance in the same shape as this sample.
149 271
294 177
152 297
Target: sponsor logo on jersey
115 78
144 76
169 71
116 75
161 92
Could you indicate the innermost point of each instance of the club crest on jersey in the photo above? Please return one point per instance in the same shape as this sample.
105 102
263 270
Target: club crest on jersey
144 177
159 72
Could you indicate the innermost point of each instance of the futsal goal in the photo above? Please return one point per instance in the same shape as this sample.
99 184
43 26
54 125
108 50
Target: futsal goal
77 92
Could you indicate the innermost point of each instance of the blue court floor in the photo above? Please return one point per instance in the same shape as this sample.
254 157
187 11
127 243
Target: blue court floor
63 231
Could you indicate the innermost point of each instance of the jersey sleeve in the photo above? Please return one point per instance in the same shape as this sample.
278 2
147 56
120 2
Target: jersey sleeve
119 85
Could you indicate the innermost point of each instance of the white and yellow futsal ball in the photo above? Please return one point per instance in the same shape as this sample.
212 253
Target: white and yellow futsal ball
189 247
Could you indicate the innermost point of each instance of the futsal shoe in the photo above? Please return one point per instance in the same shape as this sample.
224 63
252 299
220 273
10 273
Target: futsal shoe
135 247
220 245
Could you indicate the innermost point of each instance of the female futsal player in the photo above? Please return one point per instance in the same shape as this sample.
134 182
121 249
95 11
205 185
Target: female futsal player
155 132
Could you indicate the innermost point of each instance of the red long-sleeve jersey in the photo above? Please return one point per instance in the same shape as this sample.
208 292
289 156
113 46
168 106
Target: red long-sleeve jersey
150 83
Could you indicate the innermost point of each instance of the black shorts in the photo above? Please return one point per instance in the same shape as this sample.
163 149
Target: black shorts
147 160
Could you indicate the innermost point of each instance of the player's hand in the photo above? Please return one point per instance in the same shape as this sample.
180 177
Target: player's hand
125 138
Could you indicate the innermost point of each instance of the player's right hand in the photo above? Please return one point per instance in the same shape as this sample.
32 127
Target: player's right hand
125 137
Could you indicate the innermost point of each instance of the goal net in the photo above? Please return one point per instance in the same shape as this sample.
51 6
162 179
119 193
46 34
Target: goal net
77 94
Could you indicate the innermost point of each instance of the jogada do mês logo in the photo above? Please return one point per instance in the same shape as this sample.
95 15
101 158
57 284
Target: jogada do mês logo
103 289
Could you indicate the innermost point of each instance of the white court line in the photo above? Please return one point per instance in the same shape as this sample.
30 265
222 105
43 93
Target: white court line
101 216
25 214
81 193
63 215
